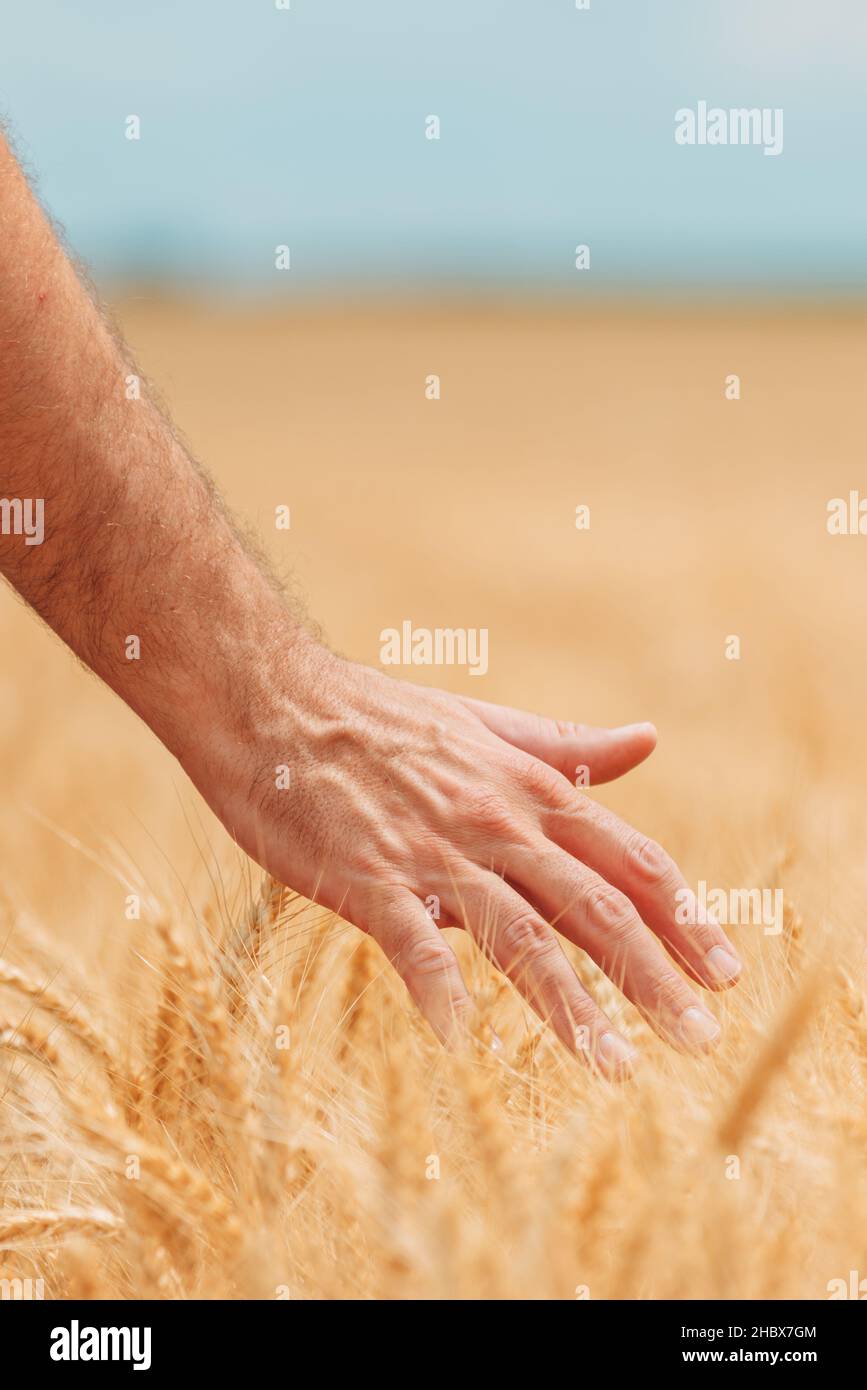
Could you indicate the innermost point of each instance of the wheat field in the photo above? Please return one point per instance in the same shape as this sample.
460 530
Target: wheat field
212 1089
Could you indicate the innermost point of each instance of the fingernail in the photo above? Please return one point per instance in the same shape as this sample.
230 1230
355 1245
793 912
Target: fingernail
698 1029
722 965
635 728
616 1054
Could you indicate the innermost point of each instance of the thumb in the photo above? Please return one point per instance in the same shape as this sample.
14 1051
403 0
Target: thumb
605 753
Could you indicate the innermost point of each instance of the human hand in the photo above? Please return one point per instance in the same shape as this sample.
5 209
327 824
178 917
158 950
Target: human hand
396 795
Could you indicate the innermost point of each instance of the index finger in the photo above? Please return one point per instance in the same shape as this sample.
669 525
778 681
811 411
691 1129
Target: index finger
649 877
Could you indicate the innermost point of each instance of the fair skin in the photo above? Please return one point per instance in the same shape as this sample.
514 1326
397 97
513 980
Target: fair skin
396 793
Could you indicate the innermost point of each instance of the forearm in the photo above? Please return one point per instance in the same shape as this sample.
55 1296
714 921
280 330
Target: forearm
136 544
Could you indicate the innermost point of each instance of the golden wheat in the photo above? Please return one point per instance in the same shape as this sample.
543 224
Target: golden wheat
332 1149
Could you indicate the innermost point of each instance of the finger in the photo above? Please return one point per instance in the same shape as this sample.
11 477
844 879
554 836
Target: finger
651 879
583 753
425 962
527 951
603 922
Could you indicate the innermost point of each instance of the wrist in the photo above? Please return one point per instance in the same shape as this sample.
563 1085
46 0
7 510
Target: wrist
244 712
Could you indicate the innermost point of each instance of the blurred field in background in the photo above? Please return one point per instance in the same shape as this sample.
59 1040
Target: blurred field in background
707 520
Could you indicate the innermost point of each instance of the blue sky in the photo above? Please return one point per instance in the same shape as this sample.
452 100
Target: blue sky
262 126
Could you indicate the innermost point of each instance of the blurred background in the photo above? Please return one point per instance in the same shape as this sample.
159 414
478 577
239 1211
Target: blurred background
604 387
306 126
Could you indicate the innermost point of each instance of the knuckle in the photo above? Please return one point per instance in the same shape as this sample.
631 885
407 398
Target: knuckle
648 860
612 911
383 857
491 813
428 957
368 866
543 784
379 869
524 937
